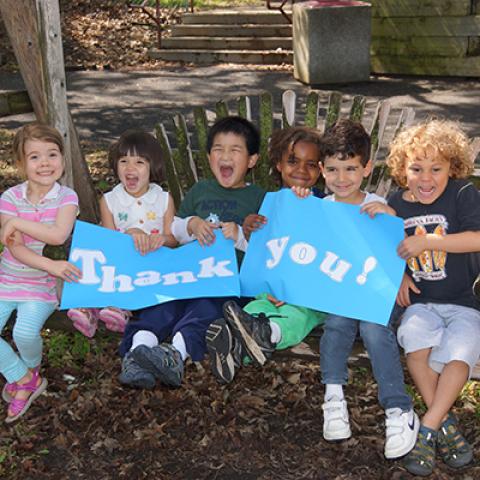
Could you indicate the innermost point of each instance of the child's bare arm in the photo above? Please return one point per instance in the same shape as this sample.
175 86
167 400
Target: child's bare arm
463 242
58 268
403 295
374 208
52 234
106 217
252 223
168 239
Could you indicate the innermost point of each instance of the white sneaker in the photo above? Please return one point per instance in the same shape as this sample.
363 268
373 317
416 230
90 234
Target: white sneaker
335 420
401 432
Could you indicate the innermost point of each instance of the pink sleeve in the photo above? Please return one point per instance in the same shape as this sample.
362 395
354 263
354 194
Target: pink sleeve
69 197
7 205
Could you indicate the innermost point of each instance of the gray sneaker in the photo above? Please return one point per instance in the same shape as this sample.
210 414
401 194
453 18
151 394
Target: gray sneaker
134 375
163 361
253 332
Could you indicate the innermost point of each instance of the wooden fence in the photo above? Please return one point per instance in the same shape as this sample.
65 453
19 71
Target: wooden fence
185 147
428 37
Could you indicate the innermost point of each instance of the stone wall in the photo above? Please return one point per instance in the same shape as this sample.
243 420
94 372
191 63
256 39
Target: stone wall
428 37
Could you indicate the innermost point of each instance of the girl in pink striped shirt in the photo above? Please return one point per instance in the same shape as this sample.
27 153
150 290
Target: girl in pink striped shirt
34 213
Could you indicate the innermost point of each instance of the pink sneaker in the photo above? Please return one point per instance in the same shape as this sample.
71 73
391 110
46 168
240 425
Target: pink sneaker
114 318
85 320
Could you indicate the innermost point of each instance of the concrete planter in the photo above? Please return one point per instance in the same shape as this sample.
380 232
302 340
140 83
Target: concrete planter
331 41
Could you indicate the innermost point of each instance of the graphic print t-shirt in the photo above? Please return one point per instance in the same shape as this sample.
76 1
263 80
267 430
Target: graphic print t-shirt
442 277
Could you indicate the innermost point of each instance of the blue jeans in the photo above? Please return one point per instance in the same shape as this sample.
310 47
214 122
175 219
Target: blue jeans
381 344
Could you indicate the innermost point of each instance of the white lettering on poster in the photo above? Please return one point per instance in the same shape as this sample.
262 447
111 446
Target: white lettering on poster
110 281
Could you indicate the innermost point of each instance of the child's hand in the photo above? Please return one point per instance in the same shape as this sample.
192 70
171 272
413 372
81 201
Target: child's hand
7 232
65 270
302 192
374 208
229 230
252 223
156 241
140 239
412 246
403 295
275 301
203 231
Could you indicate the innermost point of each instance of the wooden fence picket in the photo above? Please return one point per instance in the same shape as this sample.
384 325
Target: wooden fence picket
201 131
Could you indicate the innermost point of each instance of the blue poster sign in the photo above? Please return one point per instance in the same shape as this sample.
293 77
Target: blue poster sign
326 256
115 274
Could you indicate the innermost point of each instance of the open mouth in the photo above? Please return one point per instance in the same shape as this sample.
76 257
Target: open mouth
226 171
426 192
131 182
342 188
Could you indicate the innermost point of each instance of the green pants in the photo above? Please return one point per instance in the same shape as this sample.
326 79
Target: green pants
295 322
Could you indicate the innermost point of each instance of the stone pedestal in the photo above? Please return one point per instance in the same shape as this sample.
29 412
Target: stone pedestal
331 41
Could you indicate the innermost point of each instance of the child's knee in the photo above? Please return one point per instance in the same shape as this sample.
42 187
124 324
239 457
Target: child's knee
22 336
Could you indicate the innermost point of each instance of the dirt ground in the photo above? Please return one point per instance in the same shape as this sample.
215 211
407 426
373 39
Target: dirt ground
267 424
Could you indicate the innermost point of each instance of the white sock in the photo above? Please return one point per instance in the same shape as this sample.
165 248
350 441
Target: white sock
178 343
333 390
144 337
276 333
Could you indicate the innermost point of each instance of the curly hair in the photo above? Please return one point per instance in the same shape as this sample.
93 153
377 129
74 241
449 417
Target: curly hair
444 137
284 141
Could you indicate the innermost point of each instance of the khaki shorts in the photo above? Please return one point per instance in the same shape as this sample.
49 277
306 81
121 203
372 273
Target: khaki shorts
451 331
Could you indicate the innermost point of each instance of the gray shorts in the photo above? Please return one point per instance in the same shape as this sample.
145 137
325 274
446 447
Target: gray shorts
451 331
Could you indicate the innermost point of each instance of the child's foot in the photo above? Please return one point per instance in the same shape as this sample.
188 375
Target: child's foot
253 332
452 446
336 425
134 375
8 392
9 389
115 319
25 394
401 432
85 320
219 344
163 361
421 460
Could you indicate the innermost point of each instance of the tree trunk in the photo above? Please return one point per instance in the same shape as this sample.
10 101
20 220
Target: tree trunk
33 27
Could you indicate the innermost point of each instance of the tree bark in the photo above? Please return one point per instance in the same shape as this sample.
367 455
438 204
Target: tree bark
33 27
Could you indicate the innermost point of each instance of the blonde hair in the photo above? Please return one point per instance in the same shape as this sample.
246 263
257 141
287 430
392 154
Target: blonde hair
445 138
34 131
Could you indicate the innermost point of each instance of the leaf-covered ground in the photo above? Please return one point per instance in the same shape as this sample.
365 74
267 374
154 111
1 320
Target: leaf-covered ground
113 35
267 424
